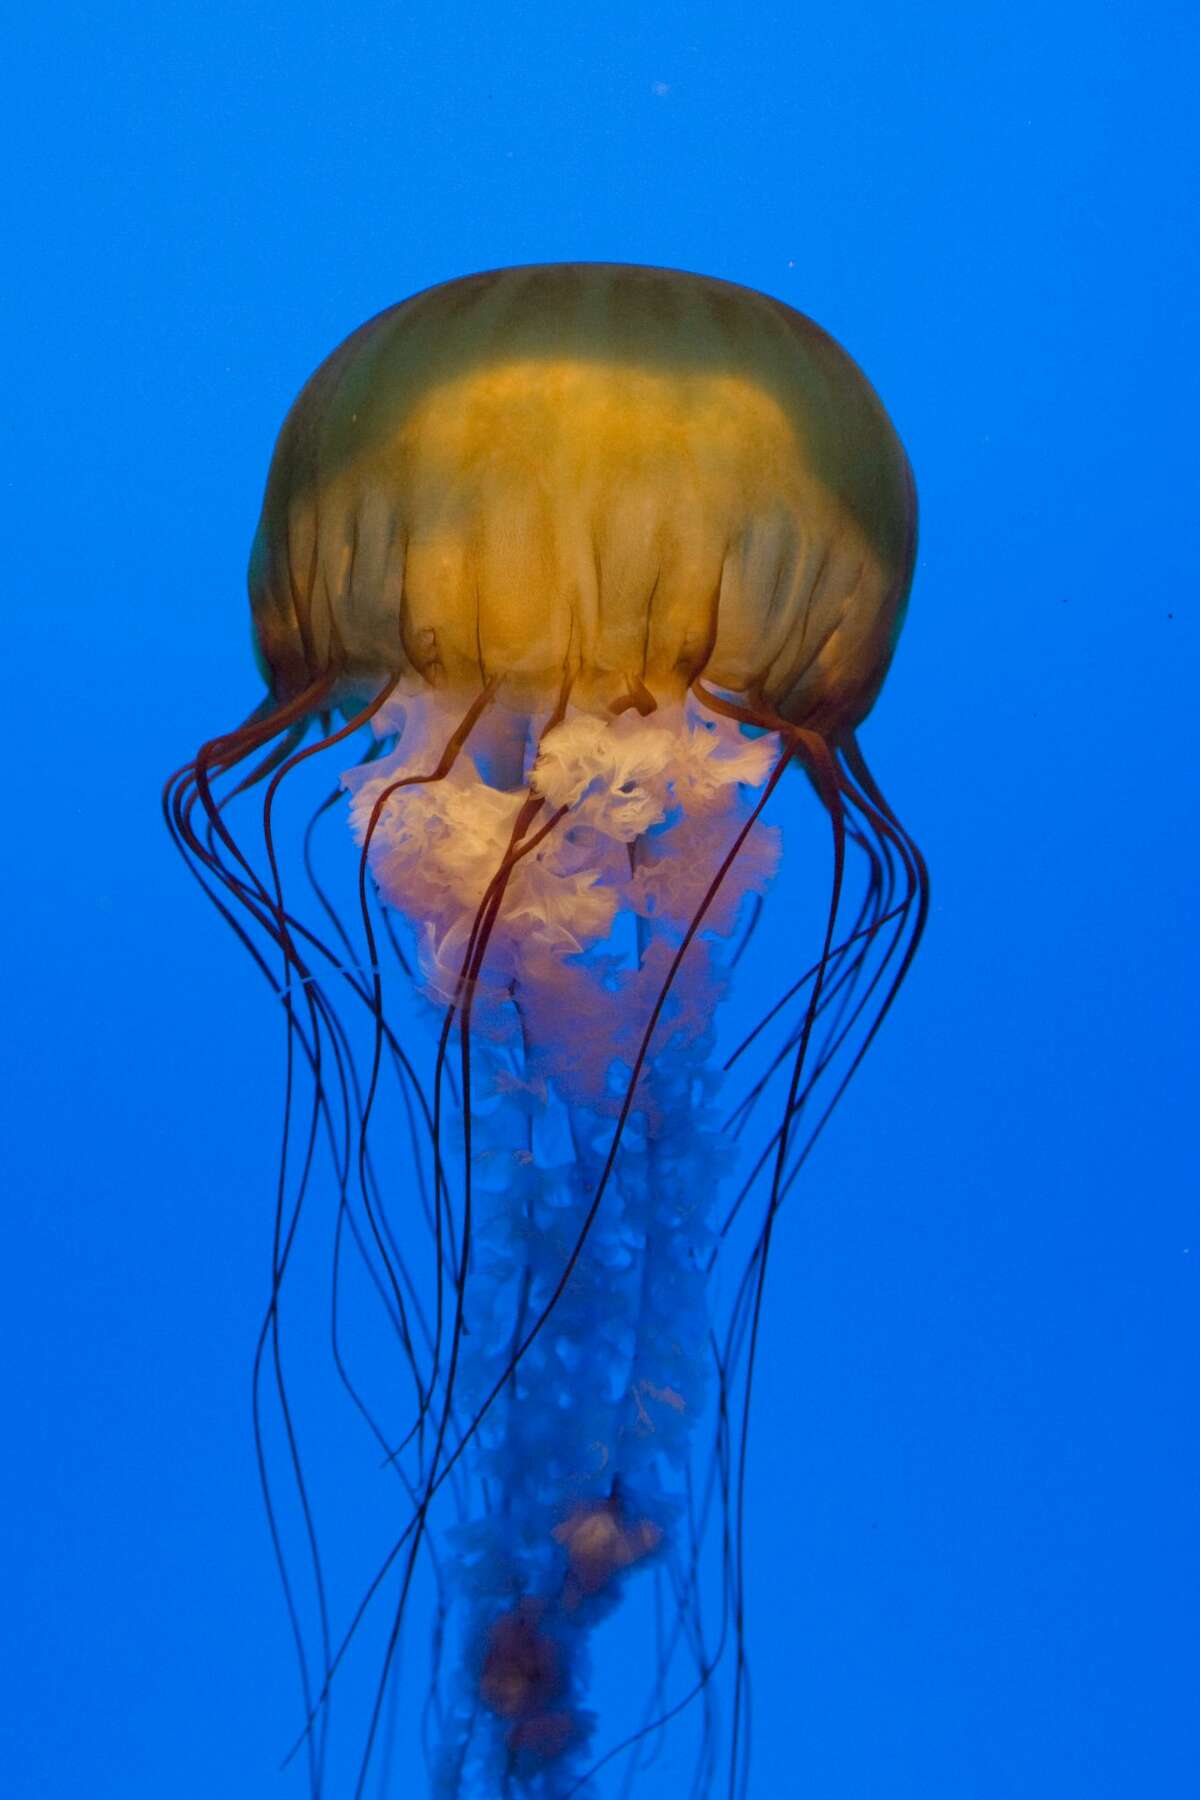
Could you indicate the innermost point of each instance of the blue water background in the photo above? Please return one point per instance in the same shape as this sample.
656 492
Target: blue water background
972 1539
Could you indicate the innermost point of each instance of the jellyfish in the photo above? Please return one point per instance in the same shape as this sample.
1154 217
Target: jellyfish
561 572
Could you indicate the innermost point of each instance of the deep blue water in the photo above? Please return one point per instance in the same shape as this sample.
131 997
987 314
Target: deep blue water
973 1549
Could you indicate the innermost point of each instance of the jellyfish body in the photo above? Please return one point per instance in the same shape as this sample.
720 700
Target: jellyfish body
586 557
620 476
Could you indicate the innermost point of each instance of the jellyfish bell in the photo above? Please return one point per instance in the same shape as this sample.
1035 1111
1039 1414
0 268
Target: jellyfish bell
631 478
566 566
